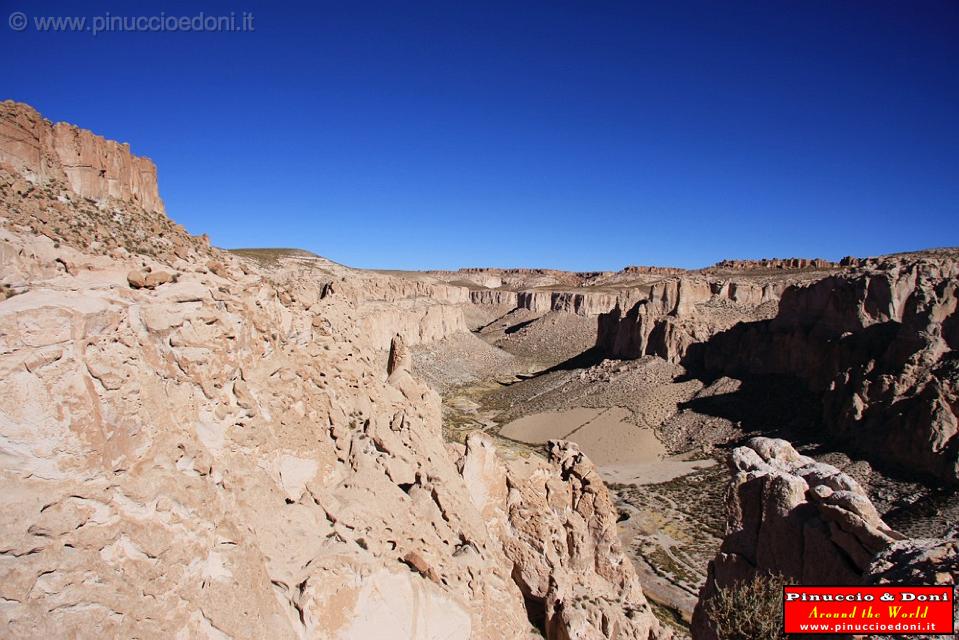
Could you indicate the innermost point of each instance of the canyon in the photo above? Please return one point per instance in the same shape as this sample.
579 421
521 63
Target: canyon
261 442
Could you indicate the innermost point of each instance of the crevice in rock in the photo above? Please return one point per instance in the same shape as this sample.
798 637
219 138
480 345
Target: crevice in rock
535 606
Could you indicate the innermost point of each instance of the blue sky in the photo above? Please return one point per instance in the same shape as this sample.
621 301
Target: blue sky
578 135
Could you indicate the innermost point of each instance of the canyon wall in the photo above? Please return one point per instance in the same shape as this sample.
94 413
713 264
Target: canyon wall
679 312
583 303
418 320
194 444
498 297
879 346
812 524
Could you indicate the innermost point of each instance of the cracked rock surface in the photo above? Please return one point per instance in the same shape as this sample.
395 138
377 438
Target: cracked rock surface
199 445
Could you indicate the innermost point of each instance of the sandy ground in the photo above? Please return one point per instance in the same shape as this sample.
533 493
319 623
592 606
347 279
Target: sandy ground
623 452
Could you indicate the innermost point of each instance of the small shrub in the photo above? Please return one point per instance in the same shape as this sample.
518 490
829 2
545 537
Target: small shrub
749 610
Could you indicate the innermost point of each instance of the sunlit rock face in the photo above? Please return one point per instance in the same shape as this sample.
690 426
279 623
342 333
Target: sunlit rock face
93 166
194 444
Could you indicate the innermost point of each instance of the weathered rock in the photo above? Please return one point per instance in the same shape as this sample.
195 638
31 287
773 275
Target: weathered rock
494 297
878 345
399 358
222 456
772 264
812 524
679 312
140 280
94 167
78 189
561 537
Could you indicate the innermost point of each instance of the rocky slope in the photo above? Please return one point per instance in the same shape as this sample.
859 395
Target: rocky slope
194 444
812 524
879 345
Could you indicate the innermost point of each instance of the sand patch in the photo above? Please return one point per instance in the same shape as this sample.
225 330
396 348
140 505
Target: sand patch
602 434
623 452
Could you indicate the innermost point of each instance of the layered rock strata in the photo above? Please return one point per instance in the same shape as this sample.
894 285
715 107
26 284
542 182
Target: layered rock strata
772 264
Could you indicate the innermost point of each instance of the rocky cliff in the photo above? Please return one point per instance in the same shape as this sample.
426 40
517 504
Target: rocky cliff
771 264
812 524
650 292
494 297
94 167
674 313
879 345
194 444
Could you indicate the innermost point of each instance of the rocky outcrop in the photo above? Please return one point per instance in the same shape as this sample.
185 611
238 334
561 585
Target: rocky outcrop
879 345
499 297
812 524
652 270
583 303
535 301
772 264
557 525
675 313
924 561
598 293
227 453
148 279
400 358
93 167
75 187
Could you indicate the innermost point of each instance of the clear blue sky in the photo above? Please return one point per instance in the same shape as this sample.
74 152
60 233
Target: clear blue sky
578 135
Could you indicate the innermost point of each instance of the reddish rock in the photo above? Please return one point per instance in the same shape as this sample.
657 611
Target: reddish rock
93 166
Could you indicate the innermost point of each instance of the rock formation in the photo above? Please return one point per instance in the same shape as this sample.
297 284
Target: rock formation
399 358
94 167
879 345
557 525
495 297
771 263
194 444
678 312
813 524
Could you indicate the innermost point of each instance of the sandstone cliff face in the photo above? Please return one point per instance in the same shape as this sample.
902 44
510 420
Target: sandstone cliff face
812 524
663 291
94 167
419 320
879 345
222 453
77 188
677 312
494 297
582 303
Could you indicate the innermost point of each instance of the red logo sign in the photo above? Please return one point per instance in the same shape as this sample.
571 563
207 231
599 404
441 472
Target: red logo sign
869 610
